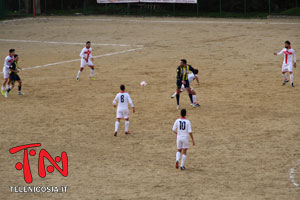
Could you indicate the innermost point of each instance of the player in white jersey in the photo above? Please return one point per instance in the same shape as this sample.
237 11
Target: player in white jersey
182 128
287 65
123 99
6 69
86 59
191 78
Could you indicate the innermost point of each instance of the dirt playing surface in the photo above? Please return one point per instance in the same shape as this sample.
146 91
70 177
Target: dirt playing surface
247 130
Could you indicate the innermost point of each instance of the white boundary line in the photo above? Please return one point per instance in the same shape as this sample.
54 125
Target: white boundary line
210 22
221 21
292 175
58 18
266 22
66 43
74 60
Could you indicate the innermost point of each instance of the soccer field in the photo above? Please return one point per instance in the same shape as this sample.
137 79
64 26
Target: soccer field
247 130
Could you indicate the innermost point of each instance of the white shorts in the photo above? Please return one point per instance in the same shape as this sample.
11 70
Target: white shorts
84 63
183 143
287 67
5 73
184 89
123 114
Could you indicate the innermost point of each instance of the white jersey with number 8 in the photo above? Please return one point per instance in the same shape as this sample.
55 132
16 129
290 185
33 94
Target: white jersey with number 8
123 100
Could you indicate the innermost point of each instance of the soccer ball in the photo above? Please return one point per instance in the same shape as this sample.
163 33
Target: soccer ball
143 83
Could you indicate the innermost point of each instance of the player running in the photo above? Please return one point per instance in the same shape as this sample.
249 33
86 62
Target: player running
182 79
86 59
287 65
123 98
7 62
13 77
182 128
191 77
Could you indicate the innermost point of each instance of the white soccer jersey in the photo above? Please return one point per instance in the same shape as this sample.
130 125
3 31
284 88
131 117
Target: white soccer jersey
183 127
289 54
191 77
86 53
123 98
8 61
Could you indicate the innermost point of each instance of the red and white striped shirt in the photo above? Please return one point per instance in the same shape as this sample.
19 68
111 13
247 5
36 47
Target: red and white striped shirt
289 54
86 53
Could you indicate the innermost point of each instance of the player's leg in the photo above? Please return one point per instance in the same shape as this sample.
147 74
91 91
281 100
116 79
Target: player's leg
195 104
292 78
178 154
9 83
178 93
284 69
4 86
82 65
181 90
5 76
92 69
188 89
126 117
290 69
184 151
117 126
20 87
127 126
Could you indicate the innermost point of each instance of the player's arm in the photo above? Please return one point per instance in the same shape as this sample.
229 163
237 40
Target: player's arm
174 129
115 101
91 55
190 132
178 74
82 53
279 53
192 69
197 79
131 103
6 65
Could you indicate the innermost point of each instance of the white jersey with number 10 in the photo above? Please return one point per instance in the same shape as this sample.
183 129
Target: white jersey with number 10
183 127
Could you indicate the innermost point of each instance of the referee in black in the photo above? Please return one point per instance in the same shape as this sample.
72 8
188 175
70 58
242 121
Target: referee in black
13 76
182 79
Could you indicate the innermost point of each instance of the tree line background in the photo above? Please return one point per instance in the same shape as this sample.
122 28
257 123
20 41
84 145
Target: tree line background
42 6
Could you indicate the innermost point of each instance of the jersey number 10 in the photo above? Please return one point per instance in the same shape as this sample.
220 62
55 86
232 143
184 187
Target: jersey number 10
182 125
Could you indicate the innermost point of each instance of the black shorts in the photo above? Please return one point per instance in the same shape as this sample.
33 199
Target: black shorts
179 83
14 77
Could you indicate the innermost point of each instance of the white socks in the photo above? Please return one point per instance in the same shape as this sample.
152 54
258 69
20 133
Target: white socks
92 73
118 123
126 126
78 74
284 76
183 160
2 88
194 99
117 126
177 156
292 78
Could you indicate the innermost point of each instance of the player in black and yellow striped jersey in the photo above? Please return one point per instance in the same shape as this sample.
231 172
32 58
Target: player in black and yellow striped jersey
13 76
182 79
